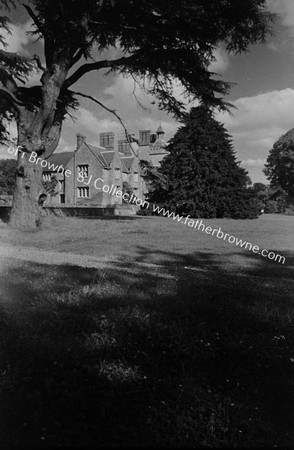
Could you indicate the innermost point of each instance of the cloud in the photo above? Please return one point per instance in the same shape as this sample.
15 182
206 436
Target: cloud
253 162
284 25
285 10
222 61
256 124
263 115
64 146
119 96
18 40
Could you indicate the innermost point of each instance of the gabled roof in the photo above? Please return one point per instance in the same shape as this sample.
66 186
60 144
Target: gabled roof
127 161
60 159
108 156
144 152
98 152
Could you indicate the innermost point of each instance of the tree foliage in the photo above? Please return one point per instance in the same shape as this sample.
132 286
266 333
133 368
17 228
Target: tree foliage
279 167
274 199
7 176
155 42
11 65
158 41
203 177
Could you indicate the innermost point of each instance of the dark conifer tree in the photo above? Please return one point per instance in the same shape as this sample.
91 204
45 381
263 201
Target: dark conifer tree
203 176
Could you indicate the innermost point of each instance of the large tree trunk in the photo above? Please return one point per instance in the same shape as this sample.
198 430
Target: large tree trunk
29 193
39 131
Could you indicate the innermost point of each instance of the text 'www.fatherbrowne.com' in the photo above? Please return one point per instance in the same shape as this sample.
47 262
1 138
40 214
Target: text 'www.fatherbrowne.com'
199 225
133 199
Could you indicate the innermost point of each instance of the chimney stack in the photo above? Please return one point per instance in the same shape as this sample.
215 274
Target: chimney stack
107 140
144 137
80 139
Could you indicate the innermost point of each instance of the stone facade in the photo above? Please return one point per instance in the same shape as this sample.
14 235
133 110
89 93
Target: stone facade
98 172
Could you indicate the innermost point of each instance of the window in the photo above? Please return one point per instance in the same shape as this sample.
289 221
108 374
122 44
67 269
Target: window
83 170
61 198
83 192
117 174
136 177
46 176
61 185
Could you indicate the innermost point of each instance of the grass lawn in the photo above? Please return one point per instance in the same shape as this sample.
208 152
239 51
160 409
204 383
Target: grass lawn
197 351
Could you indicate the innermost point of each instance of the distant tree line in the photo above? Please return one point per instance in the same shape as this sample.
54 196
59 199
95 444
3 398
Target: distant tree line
279 169
273 199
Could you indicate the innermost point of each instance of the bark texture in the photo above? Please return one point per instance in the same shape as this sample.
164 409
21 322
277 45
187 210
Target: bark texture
28 195
39 129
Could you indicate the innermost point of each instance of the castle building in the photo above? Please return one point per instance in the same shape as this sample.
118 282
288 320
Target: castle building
98 171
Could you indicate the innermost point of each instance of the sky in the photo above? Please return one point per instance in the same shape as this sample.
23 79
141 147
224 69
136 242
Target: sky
263 95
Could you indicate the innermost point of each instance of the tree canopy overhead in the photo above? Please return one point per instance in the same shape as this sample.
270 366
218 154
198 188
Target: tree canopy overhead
159 42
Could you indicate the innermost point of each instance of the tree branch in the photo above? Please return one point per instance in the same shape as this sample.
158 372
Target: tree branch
35 19
111 111
38 61
96 66
77 57
9 87
12 96
145 108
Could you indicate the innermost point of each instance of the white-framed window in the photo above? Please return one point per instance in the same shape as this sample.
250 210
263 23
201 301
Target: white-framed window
61 198
83 170
61 185
136 177
46 176
83 192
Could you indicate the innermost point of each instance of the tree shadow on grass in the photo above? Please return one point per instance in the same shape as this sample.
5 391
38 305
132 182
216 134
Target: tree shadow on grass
181 353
